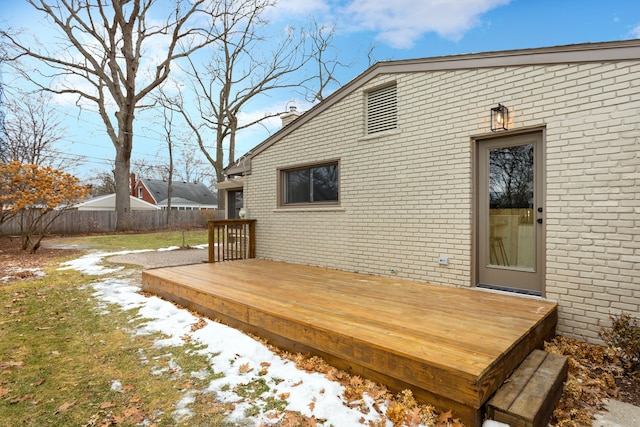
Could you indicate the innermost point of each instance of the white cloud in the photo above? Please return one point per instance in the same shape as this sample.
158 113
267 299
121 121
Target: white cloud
296 8
635 33
400 23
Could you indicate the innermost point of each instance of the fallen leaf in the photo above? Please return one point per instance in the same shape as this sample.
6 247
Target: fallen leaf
284 396
4 391
244 368
11 364
201 323
265 364
356 381
39 382
21 399
65 407
412 416
106 405
445 417
292 419
134 414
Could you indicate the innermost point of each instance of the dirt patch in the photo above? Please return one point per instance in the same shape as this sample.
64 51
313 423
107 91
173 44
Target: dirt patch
629 389
16 264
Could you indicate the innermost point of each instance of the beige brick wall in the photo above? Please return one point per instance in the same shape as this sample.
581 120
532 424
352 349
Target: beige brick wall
406 195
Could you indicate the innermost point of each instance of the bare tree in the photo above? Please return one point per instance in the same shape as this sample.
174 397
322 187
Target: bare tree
168 130
104 45
103 183
324 58
245 63
32 128
191 167
3 131
188 163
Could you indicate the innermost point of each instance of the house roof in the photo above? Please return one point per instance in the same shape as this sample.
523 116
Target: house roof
180 201
108 203
196 192
578 53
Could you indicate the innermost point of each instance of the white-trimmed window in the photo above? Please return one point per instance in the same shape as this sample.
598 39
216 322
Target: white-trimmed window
140 193
382 109
310 184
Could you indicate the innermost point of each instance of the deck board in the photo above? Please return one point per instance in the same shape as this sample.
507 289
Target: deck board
454 345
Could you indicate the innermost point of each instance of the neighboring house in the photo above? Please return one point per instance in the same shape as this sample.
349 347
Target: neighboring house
108 203
399 173
184 195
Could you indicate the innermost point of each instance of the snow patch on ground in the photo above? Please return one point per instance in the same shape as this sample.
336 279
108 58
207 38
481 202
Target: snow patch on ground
91 263
241 359
170 248
22 273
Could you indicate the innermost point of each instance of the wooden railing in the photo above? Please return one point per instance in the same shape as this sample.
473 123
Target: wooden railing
232 239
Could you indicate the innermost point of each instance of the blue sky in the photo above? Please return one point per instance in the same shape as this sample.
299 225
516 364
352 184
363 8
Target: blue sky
400 29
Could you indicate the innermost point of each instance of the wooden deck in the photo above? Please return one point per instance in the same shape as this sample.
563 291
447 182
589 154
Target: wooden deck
453 347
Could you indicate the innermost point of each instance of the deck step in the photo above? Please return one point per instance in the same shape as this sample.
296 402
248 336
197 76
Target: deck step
528 396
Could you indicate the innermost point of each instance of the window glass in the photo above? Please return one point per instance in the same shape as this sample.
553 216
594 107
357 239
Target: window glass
297 184
314 184
234 203
325 183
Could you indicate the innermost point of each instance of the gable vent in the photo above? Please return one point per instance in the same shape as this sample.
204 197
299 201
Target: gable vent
382 111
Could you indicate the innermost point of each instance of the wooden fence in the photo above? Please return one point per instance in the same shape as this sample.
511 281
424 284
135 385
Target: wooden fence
84 222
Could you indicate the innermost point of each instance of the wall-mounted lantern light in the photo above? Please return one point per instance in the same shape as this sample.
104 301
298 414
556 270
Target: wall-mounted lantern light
499 118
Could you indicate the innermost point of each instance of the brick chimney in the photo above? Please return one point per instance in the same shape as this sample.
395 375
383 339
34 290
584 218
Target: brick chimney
289 116
132 178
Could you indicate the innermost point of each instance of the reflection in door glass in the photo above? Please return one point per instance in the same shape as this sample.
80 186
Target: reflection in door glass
511 198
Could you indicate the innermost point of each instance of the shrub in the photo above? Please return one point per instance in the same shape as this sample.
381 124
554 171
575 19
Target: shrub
624 337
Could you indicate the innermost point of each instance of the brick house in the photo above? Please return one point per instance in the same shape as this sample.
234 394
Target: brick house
514 171
184 195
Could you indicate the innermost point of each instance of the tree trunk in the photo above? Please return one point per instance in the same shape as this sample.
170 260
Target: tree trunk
123 145
169 185
124 219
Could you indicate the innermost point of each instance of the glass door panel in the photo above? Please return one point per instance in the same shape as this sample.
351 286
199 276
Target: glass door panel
511 186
